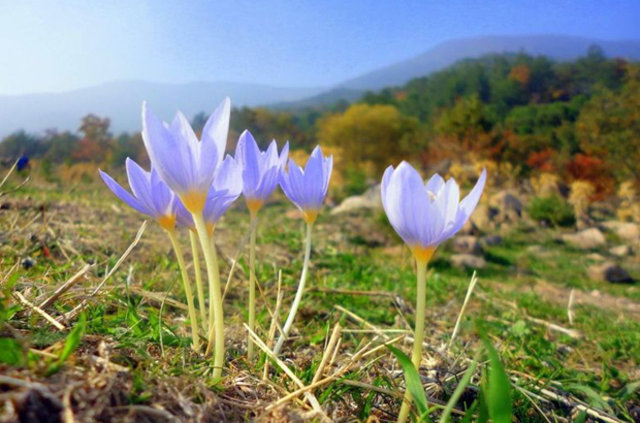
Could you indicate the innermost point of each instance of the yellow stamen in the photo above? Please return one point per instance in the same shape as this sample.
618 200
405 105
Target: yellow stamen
194 201
254 204
422 254
309 216
210 228
168 222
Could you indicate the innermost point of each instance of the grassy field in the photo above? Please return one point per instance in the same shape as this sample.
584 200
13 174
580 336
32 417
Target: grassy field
133 362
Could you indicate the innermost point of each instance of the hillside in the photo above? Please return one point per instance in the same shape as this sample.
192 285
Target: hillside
120 101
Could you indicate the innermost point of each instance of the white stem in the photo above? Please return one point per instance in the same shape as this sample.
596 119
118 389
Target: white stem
187 290
193 237
418 337
296 301
216 323
252 285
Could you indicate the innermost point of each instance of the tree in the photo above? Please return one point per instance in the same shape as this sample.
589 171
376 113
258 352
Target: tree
374 133
94 145
18 144
609 126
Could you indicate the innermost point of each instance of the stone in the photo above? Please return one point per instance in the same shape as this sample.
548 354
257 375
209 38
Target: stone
28 263
621 251
481 218
491 240
467 244
609 272
369 200
467 261
505 207
595 257
626 231
585 239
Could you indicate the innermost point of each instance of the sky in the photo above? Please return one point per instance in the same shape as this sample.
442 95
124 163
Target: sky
52 46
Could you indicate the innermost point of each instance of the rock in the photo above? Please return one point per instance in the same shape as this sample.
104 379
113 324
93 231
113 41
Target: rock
481 218
504 207
621 251
492 240
609 272
586 239
467 245
625 230
369 200
28 263
467 261
595 257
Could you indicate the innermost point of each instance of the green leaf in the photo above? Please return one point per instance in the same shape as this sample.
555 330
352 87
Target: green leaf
628 390
413 383
11 352
594 398
498 391
582 417
70 345
446 413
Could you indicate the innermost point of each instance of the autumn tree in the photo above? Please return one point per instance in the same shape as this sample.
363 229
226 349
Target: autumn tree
609 126
94 144
378 134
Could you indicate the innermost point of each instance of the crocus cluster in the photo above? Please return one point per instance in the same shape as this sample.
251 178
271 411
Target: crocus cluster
191 185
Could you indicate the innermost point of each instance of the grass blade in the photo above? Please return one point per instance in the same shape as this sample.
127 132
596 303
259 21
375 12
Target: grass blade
498 392
413 383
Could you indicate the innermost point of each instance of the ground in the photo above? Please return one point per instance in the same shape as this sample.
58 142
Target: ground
134 362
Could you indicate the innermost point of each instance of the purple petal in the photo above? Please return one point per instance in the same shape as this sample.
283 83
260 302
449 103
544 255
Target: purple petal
248 154
169 156
216 131
140 183
123 194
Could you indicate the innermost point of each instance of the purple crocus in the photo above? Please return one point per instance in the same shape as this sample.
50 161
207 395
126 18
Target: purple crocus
186 164
425 215
260 169
225 189
151 195
307 188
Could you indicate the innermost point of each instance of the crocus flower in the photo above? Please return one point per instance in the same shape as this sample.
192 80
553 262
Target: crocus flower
307 188
187 165
151 196
425 215
260 169
225 189
260 173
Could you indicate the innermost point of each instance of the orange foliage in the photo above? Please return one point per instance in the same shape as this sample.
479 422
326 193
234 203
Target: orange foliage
520 74
400 95
595 171
541 160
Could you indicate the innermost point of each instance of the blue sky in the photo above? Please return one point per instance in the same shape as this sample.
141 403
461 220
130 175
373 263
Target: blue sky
59 45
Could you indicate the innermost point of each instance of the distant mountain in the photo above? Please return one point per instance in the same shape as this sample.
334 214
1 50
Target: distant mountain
121 101
558 47
326 98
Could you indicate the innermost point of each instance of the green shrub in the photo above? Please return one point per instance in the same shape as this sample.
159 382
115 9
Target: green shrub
553 210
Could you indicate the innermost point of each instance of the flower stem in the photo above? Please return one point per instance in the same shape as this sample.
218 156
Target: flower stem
216 323
252 283
193 237
193 317
416 356
296 301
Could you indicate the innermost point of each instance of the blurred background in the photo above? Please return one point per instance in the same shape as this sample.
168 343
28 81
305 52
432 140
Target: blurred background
545 94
